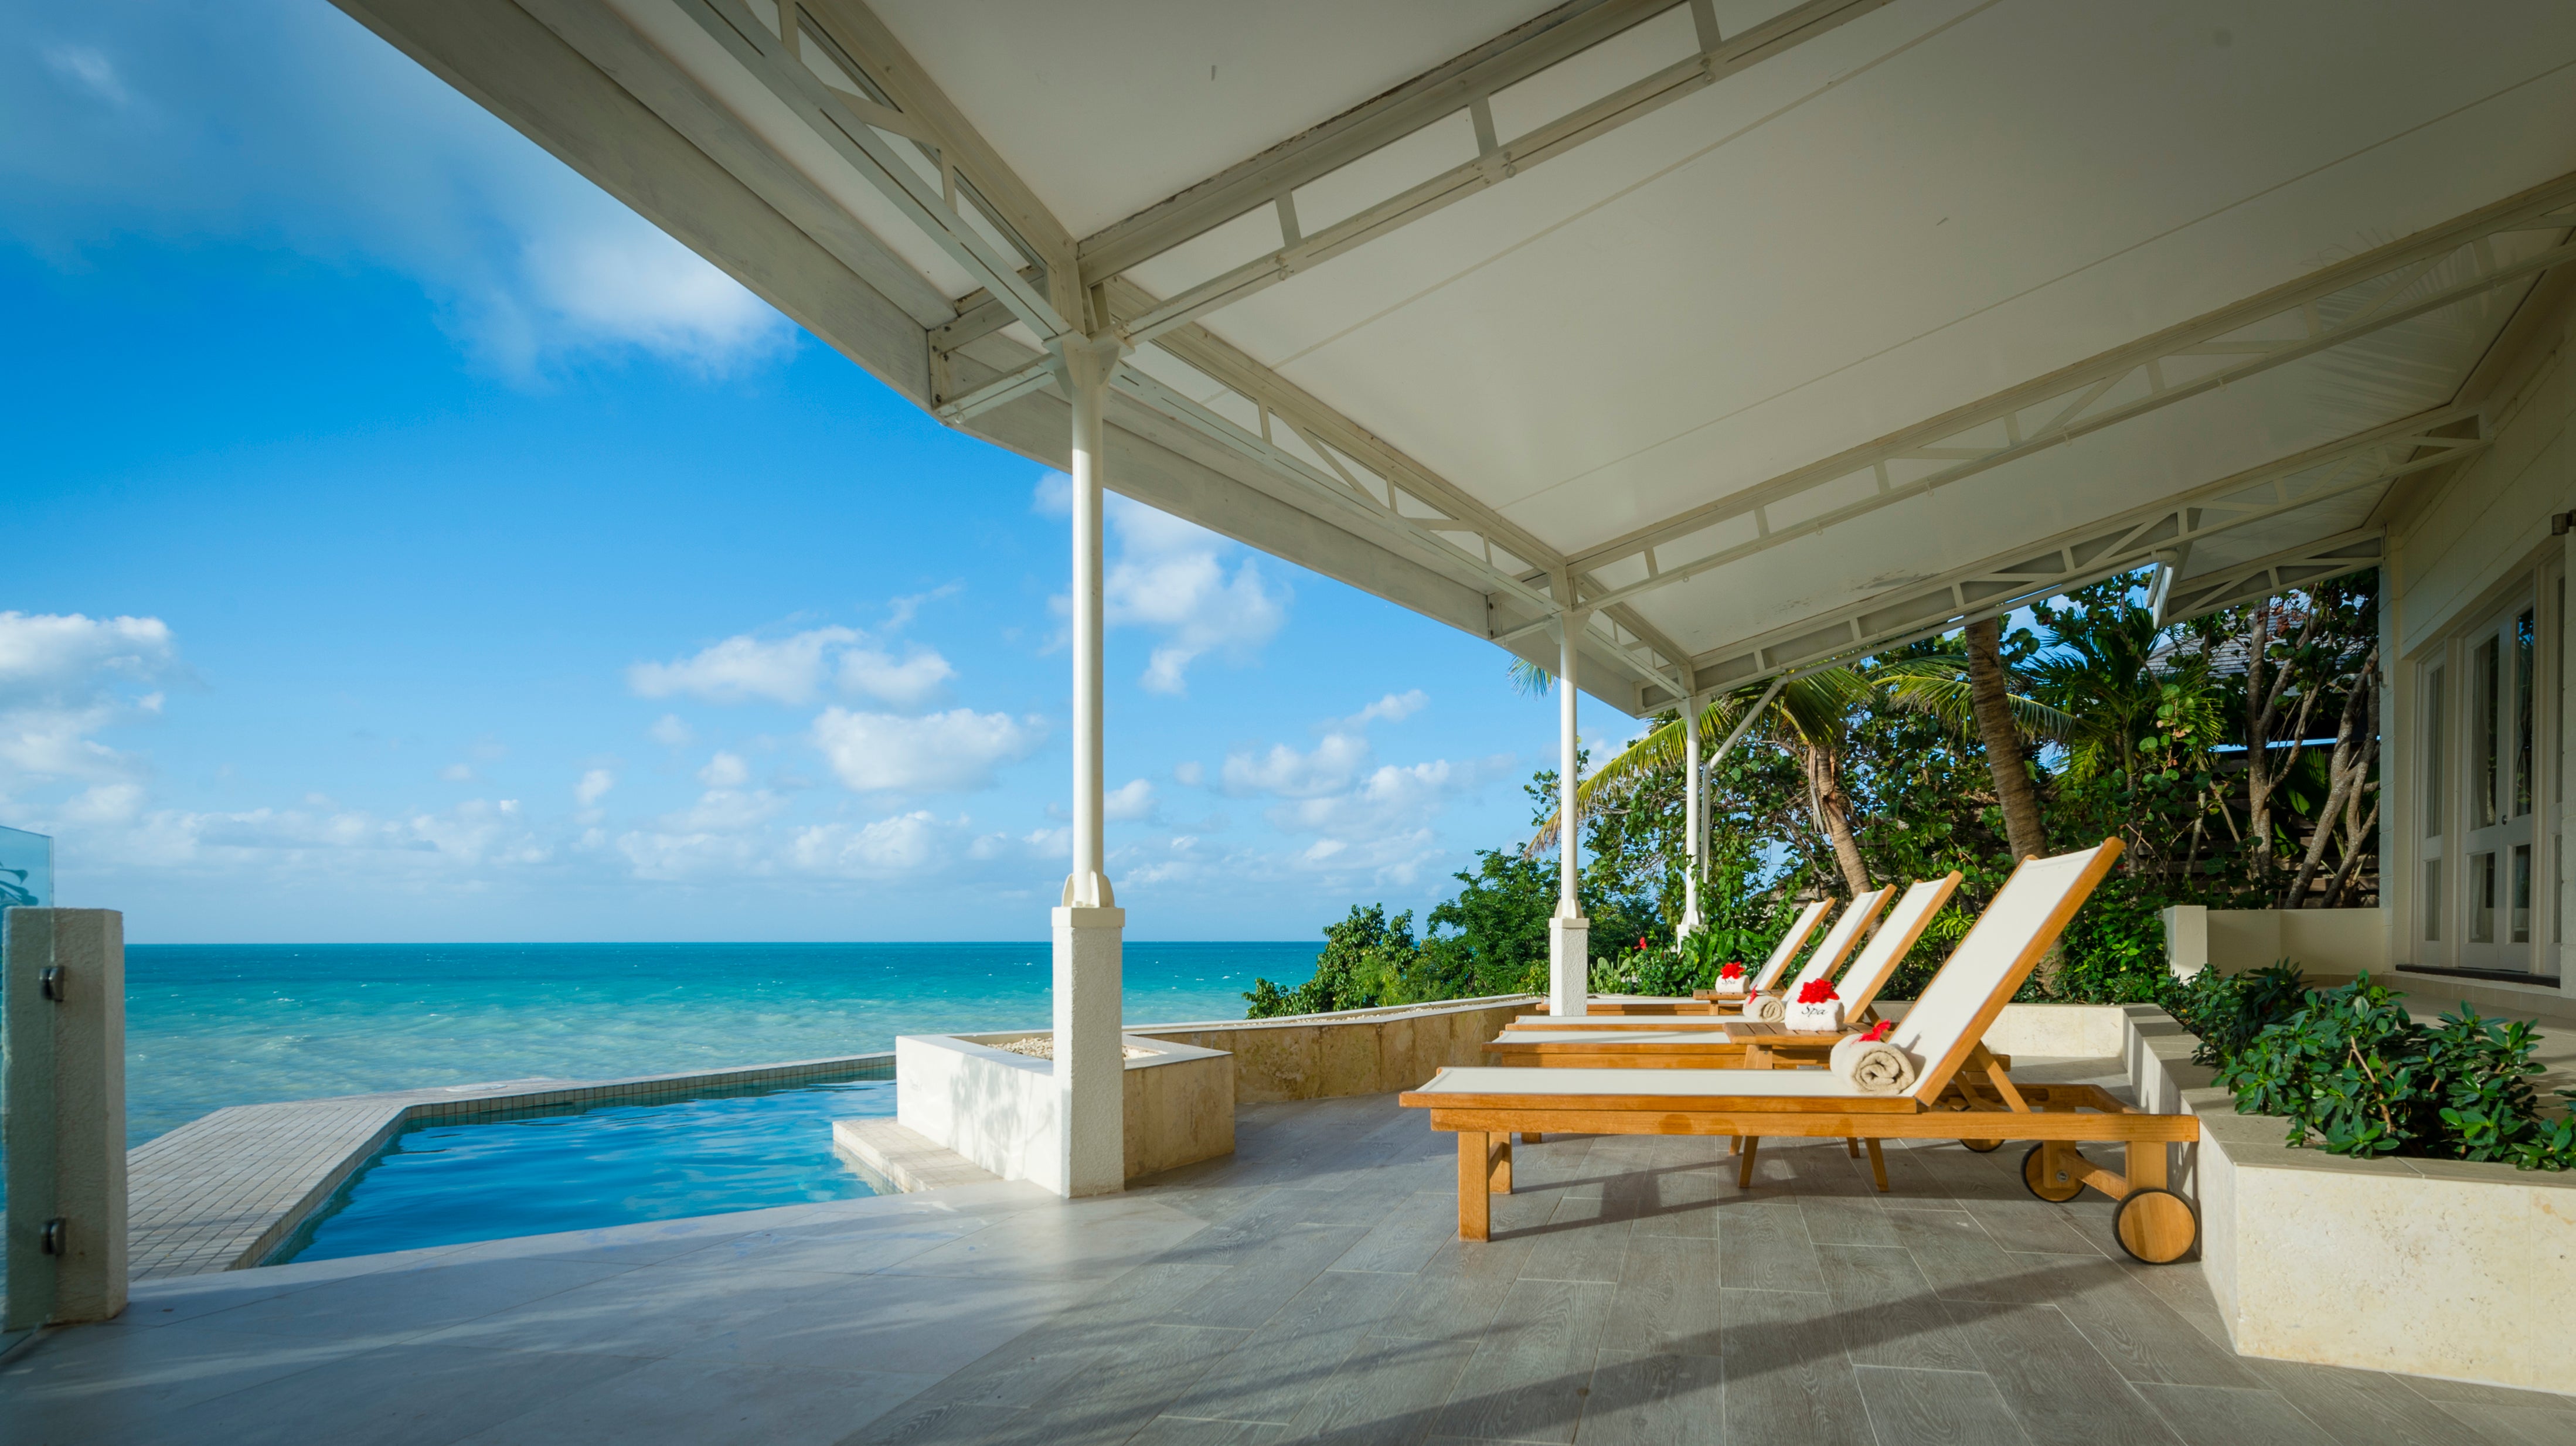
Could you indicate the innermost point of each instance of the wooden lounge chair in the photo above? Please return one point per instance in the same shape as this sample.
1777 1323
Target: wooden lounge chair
1772 968
1942 1033
1565 1040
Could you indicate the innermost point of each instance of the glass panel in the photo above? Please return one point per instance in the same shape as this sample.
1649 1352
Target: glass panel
2482 882
2483 731
2437 762
2522 893
2432 903
2522 656
26 869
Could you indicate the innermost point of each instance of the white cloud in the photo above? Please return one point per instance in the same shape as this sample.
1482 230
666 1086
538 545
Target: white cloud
908 843
457 773
1327 768
1136 800
725 770
792 670
917 679
951 752
743 667
1192 773
290 126
593 787
726 810
65 677
1203 593
1393 708
669 731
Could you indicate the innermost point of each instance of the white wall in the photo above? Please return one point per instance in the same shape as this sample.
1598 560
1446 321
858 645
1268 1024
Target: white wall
2455 547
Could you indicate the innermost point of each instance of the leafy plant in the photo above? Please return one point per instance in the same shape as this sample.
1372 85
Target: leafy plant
2227 1011
2356 1075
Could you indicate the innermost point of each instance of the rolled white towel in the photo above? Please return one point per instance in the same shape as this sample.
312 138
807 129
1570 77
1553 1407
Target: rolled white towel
1767 1008
1874 1066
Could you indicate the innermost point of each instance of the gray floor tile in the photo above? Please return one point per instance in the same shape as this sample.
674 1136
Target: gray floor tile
2061 1390
2433 1389
1531 1371
401 1395
1843 1220
1888 1313
1763 1245
1262 1276
1582 1240
388 1306
707 1404
1406 1236
1457 1295
1087 1240
890 1322
1185 1431
1788 1379
1388 1392
1937 1408
2222 1416
2144 1339
1963 1263
1282 1365
2516 1425
1667 1301
2364 1406
1152 1366
1649 1399
101 1384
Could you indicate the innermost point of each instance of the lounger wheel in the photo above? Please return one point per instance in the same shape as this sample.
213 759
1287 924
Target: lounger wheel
1983 1147
2156 1226
2054 1186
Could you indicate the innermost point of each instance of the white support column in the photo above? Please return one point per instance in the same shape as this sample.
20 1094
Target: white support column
1694 816
1569 934
1090 1066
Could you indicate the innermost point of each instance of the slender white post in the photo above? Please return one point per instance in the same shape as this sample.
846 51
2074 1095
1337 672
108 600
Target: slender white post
1694 815
65 1115
1569 934
1090 1066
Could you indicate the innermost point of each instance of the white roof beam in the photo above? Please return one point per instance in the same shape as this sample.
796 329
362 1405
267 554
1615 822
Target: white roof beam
2327 557
2069 397
1465 83
2162 532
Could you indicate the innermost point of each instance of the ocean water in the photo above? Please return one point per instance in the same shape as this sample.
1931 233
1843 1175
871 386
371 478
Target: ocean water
210 1025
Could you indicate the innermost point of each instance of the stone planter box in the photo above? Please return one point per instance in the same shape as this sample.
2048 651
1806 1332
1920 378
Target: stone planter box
998 1109
2432 1267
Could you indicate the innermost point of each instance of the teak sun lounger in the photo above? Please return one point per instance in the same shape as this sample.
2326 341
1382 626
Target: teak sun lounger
1722 1042
1941 1035
1772 968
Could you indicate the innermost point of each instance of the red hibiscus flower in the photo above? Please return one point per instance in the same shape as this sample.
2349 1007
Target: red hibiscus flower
1731 971
1816 991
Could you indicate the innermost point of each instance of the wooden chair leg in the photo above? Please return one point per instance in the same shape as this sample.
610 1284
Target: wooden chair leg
1877 1165
1475 1206
2145 1166
1744 1168
1500 1170
1735 1145
1531 1137
1852 1148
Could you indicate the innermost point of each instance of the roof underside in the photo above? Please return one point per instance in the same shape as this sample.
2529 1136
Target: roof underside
1761 334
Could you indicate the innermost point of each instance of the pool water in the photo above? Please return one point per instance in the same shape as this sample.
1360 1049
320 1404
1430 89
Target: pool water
455 1181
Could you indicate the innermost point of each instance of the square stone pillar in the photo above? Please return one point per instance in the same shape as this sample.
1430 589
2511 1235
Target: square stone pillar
1090 1059
64 997
1569 967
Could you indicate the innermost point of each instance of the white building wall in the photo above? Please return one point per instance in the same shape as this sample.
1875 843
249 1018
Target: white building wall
2455 550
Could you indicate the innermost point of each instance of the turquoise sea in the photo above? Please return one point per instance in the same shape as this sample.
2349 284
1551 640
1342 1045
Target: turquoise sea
210 1025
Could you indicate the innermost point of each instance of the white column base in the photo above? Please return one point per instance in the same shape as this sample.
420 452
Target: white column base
1691 923
1090 1157
1569 967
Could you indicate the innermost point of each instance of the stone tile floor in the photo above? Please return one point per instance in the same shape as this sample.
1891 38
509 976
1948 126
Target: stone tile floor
1308 1288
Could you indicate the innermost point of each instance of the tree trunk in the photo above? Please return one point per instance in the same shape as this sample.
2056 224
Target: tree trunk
2356 745
1989 695
1833 811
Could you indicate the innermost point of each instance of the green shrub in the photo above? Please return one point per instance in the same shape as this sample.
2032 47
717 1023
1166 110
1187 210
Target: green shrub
2356 1075
2227 1010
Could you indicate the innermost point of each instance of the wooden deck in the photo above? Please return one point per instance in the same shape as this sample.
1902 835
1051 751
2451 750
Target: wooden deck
1309 1288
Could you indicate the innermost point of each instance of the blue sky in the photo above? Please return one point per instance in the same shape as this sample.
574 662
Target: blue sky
404 541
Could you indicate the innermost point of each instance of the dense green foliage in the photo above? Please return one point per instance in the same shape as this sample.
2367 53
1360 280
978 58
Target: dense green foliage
2130 730
2356 1075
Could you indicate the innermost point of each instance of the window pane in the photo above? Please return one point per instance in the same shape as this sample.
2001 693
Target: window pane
2522 893
2432 903
2482 882
2437 761
2523 652
2484 731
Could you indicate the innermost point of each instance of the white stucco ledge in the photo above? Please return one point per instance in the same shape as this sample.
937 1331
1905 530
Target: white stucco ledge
999 1109
2431 1267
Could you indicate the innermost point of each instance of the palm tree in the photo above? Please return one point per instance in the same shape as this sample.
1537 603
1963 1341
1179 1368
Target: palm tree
1973 695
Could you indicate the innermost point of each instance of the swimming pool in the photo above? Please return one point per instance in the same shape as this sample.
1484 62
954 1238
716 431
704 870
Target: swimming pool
534 1172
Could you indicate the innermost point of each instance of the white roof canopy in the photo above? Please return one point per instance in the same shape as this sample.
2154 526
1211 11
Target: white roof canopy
1760 336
